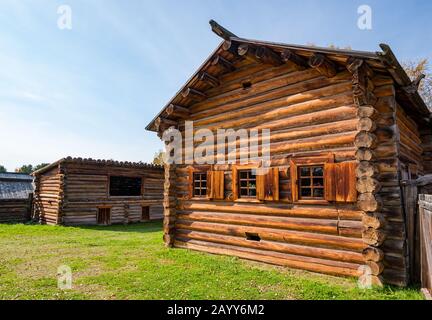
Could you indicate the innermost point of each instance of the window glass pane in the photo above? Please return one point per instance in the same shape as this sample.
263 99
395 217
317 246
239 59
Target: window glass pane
318 193
318 182
305 172
125 186
306 192
200 184
252 192
243 192
243 174
318 172
305 182
243 183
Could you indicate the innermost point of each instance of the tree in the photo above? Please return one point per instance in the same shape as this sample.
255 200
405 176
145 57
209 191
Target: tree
414 69
40 166
27 169
2 169
158 158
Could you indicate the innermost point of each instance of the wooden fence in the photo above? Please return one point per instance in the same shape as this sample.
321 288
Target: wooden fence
15 210
425 209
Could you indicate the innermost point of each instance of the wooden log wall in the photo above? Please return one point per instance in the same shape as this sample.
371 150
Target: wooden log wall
426 139
410 142
47 197
368 171
380 154
15 210
309 114
79 189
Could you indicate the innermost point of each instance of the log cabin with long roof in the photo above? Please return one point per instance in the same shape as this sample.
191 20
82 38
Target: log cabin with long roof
76 191
346 128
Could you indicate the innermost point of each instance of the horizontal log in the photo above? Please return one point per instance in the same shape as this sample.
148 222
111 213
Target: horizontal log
365 154
296 103
370 280
367 112
310 225
296 237
289 55
224 63
323 65
259 54
369 202
374 237
374 220
365 140
367 184
303 211
282 260
366 169
373 254
366 124
331 254
177 111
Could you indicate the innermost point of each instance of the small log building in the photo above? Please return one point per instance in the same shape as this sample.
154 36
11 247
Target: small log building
75 191
346 128
16 191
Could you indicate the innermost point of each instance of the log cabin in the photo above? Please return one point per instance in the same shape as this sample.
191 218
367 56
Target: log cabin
75 191
346 128
16 193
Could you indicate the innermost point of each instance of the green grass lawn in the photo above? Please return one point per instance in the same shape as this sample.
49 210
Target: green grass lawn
131 262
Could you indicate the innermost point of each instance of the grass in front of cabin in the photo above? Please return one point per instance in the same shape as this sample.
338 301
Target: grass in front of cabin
131 262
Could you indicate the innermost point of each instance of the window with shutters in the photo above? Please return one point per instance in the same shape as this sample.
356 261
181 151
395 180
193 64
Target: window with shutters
254 184
308 179
311 182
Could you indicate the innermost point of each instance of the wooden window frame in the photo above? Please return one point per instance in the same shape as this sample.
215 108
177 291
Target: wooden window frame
201 179
295 163
311 186
248 188
194 170
235 183
109 196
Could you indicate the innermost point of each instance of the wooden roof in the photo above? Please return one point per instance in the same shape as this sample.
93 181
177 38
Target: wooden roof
233 49
15 186
111 163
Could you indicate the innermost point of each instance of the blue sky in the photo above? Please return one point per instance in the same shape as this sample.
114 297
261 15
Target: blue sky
91 91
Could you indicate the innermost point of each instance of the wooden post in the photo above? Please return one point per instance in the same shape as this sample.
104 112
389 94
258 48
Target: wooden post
169 204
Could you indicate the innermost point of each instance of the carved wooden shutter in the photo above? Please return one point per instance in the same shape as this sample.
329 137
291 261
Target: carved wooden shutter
191 183
340 182
285 187
294 181
235 183
268 184
215 185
